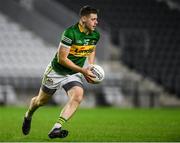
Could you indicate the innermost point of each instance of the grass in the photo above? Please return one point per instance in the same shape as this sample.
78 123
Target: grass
95 124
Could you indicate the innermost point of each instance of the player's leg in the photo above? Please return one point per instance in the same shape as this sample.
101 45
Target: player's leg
37 101
46 91
75 93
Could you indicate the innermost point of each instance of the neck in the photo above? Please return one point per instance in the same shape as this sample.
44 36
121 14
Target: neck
83 27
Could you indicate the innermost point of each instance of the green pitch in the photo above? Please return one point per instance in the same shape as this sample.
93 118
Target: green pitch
96 124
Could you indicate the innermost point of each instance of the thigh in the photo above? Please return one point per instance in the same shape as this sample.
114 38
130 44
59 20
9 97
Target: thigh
43 96
76 93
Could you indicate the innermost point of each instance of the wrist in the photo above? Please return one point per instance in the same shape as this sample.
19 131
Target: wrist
82 70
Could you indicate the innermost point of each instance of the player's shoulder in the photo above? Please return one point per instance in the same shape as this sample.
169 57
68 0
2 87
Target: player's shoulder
71 28
69 32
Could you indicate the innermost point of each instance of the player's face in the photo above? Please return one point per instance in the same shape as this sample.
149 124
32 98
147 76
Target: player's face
91 21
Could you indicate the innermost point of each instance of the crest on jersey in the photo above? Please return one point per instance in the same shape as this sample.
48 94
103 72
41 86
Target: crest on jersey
49 81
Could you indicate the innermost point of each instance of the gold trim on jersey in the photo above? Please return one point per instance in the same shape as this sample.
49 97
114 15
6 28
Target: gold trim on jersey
81 51
82 29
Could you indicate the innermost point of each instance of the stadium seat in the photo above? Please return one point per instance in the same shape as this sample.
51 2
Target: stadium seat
22 53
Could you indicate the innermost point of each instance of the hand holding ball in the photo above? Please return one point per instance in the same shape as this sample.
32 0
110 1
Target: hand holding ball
98 72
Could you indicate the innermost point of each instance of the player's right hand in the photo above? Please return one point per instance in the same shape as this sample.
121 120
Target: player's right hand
88 73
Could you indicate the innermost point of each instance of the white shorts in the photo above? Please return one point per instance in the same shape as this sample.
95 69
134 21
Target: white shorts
53 81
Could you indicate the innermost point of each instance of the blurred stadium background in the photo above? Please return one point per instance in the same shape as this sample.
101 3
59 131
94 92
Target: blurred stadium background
139 50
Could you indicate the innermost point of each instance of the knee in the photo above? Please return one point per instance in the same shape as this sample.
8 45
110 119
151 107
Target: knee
77 95
38 102
33 100
78 98
41 102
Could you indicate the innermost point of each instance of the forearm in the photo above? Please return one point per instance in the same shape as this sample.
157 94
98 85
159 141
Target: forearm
69 64
91 58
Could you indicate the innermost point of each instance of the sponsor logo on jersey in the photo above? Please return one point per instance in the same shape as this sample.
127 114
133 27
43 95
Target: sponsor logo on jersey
81 51
49 81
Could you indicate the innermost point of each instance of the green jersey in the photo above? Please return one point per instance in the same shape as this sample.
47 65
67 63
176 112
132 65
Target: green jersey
80 44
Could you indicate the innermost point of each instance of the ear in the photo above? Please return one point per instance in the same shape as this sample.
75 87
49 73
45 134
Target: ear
83 18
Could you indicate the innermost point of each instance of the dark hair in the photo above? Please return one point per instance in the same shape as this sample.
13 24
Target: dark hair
86 10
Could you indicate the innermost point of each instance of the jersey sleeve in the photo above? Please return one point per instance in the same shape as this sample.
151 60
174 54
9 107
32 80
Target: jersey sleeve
67 38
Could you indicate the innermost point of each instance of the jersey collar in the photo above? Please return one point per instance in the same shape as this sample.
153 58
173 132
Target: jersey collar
82 29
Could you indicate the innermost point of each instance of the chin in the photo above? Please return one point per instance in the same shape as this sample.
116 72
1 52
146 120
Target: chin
92 29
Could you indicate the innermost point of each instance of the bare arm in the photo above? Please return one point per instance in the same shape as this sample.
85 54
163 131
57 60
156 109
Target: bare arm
63 60
91 57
